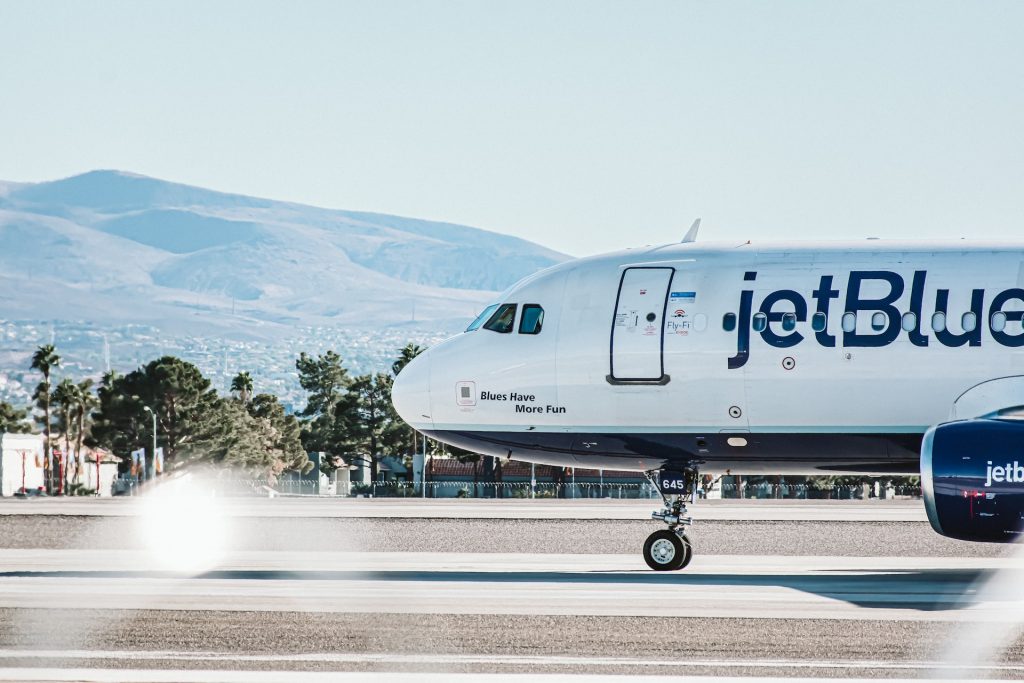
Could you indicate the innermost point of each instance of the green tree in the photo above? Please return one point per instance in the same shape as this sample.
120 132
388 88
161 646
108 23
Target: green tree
262 439
329 408
65 398
376 431
85 403
45 359
405 356
13 420
195 425
284 434
242 444
242 385
189 413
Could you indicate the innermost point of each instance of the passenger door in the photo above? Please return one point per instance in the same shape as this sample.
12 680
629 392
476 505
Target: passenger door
638 328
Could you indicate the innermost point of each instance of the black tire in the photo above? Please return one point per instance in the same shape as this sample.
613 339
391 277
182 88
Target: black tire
689 551
665 551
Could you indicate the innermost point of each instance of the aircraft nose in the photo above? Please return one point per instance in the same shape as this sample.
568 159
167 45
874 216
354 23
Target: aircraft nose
411 393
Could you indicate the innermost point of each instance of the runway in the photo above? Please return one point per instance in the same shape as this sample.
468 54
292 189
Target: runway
285 597
893 588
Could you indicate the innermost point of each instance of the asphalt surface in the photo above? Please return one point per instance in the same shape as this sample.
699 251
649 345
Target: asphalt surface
484 643
902 510
84 597
727 537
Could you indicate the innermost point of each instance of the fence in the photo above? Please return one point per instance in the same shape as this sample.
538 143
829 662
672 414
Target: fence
586 490
767 490
569 490
460 489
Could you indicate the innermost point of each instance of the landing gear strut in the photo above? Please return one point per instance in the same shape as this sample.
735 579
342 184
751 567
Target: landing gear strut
670 549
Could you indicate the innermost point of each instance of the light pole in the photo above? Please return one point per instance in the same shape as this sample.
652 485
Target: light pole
423 475
145 471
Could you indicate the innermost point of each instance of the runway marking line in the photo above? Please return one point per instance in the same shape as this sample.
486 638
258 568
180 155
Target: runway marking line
513 660
27 675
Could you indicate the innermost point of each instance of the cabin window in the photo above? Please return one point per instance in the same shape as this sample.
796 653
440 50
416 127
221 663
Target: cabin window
729 322
789 321
480 319
502 320
819 321
849 322
760 322
939 321
998 322
532 320
878 321
969 322
909 321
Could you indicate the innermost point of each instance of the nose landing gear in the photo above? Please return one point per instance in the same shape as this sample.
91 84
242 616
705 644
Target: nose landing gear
670 549
667 550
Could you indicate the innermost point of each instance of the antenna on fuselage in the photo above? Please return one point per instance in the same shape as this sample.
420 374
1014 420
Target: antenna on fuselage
691 235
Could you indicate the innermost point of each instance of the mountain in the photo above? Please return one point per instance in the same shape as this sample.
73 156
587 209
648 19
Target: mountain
114 248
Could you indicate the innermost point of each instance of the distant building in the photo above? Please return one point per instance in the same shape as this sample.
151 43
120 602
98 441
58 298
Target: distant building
21 463
312 483
99 471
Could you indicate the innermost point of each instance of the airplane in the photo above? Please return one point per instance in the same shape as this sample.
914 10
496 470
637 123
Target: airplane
869 357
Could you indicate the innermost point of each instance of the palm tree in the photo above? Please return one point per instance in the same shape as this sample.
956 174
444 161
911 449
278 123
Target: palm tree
66 398
405 357
85 403
44 360
242 384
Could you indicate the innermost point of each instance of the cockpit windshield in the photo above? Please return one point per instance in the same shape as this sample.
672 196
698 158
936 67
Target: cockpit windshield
482 318
532 320
502 320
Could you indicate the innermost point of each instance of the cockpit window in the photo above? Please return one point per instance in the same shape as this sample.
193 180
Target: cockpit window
475 325
532 320
502 320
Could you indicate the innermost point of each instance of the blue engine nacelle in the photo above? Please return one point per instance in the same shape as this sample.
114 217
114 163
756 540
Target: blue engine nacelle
972 475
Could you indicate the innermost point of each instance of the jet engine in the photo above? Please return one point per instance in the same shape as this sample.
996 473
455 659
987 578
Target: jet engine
972 475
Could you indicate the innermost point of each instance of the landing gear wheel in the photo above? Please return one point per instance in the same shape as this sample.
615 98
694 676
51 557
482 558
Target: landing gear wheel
689 551
666 551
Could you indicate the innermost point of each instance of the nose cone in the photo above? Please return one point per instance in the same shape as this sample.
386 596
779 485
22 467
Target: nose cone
411 393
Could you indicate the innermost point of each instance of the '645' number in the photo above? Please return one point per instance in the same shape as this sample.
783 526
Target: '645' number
673 482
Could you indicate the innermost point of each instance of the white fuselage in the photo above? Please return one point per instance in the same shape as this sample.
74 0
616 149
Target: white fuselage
775 357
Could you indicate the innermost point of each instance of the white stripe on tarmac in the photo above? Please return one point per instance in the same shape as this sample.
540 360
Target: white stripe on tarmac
662 669
84 560
49 675
930 588
505 660
497 599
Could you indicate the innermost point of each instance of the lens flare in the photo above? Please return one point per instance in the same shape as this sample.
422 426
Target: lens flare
992 618
183 525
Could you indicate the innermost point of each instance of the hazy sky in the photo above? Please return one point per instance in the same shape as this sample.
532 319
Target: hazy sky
585 126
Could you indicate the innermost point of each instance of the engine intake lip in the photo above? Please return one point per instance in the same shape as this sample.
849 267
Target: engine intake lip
927 484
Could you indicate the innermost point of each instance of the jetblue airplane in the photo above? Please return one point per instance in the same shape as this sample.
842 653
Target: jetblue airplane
870 357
